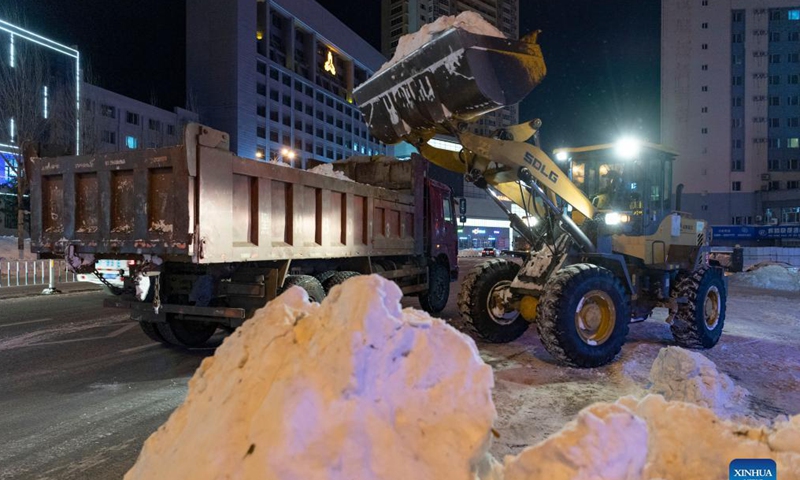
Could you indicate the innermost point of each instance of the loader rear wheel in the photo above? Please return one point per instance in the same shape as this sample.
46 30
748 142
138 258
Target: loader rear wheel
186 333
435 299
151 330
698 323
311 285
337 278
482 298
583 316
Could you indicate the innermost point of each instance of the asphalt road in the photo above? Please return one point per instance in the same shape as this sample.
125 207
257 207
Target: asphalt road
81 388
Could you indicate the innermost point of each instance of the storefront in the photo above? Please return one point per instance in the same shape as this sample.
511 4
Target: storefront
481 233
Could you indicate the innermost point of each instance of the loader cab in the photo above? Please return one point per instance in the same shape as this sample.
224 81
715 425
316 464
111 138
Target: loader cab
629 185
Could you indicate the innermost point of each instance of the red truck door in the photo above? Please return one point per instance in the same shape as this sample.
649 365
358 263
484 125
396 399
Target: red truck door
442 232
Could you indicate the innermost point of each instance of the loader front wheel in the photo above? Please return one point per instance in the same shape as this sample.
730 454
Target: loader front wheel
583 316
699 321
483 301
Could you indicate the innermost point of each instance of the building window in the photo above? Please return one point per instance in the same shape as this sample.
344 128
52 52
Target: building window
261 132
793 185
793 142
774 36
793 100
704 46
775 185
793 79
793 122
736 186
108 111
774 80
704 88
774 143
793 15
737 38
774 123
737 80
737 60
131 142
704 25
704 67
132 118
773 165
704 110
737 143
736 102
261 110
736 123
736 166
794 36
774 14
774 101
273 136
287 100
704 3
154 125
108 136
738 16
775 58
793 58
704 130
170 129
793 164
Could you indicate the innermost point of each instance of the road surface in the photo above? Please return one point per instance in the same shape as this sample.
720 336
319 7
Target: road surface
81 388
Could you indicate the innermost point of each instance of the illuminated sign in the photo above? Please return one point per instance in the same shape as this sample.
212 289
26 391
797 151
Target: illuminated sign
478 231
329 66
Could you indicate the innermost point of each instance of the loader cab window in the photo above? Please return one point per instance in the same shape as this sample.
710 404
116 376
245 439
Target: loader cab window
448 209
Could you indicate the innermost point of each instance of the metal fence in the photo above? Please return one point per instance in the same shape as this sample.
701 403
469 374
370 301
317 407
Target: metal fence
33 272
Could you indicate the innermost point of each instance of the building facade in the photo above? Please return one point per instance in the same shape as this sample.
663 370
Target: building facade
39 88
279 75
730 103
112 122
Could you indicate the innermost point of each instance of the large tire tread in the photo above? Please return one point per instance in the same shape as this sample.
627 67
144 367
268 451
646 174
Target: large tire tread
687 330
312 286
434 300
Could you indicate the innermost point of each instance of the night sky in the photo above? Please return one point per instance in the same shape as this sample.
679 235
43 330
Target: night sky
602 57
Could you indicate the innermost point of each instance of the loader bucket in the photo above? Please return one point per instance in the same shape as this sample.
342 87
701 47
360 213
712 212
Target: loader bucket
456 76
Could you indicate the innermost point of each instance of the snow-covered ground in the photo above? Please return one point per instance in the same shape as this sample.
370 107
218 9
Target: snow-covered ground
759 350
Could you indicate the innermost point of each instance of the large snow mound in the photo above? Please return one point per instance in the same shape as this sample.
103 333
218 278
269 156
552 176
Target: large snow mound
352 388
654 438
772 277
470 21
680 374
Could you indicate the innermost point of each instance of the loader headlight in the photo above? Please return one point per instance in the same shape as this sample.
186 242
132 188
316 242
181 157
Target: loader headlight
628 148
615 218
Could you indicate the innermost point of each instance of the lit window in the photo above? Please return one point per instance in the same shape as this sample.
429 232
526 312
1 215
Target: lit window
793 142
794 14
46 112
131 142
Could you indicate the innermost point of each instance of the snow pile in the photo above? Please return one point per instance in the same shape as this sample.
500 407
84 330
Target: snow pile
470 21
654 438
351 388
327 170
686 376
279 163
772 277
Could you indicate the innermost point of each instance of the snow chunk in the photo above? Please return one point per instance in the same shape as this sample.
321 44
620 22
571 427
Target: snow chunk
654 438
327 170
687 376
278 163
351 388
772 277
470 21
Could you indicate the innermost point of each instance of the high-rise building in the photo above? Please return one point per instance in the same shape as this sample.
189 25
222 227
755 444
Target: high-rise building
278 75
730 105
400 17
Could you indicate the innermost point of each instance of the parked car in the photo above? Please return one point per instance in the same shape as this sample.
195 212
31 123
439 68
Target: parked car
489 252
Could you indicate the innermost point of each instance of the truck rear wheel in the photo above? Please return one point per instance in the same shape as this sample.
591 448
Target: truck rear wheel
151 330
311 285
185 333
435 298
337 278
481 301
583 316
698 323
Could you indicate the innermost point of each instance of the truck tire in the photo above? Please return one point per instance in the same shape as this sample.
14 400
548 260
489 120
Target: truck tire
322 277
337 278
151 330
435 298
698 323
583 316
311 285
477 302
186 333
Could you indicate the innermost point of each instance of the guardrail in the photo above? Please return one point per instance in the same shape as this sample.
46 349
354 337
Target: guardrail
33 272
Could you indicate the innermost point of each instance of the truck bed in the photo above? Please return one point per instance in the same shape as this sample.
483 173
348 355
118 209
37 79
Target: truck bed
200 203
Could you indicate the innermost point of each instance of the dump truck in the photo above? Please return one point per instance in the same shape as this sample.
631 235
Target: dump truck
607 246
209 237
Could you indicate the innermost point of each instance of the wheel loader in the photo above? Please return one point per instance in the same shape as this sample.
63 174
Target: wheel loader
607 246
